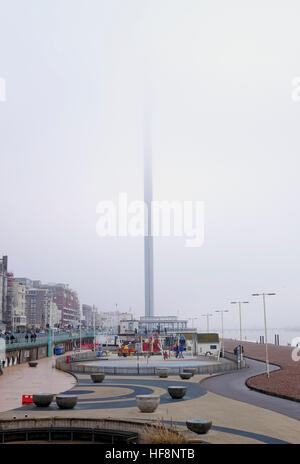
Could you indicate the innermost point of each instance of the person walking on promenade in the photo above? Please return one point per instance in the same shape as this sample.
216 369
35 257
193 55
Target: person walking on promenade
26 337
12 338
181 349
34 337
31 337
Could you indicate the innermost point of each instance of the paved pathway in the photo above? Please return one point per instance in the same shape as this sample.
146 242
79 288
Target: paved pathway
23 380
233 421
285 381
233 386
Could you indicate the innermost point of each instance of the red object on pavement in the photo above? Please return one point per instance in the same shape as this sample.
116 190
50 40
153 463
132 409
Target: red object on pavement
68 358
27 399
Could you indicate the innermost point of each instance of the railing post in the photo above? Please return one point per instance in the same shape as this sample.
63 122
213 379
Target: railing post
50 342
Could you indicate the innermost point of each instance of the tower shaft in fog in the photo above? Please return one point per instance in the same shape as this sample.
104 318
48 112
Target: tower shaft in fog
148 240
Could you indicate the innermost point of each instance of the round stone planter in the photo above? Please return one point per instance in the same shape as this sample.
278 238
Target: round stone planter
186 375
42 400
192 370
66 401
32 363
97 378
147 403
199 426
162 372
176 392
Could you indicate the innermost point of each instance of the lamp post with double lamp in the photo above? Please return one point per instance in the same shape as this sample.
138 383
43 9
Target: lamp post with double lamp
266 335
222 327
240 314
207 320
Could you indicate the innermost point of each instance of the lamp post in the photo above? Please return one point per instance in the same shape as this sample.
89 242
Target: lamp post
239 303
94 324
80 331
222 327
265 321
207 320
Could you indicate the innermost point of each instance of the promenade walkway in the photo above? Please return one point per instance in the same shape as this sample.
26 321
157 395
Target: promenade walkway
22 379
284 382
233 421
233 385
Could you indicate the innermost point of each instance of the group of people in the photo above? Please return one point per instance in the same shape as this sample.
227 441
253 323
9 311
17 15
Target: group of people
32 337
178 350
239 349
10 338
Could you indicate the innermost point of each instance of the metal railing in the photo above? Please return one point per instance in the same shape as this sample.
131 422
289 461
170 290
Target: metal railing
43 340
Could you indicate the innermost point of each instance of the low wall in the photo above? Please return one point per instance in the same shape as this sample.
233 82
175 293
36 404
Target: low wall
61 364
75 367
148 370
139 427
233 357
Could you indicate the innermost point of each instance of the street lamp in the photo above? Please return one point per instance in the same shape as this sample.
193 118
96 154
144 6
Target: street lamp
207 320
222 329
240 313
265 320
80 330
94 324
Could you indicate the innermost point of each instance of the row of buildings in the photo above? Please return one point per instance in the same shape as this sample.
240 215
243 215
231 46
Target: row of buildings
26 303
30 304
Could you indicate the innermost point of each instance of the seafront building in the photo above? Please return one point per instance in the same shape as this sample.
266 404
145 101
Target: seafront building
67 302
14 315
3 289
41 310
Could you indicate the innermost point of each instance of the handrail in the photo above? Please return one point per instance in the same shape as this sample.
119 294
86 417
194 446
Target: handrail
44 340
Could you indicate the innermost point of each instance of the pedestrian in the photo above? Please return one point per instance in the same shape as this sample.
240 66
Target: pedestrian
34 337
181 349
31 337
26 337
175 349
7 338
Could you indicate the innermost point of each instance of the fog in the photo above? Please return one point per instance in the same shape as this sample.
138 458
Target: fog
225 131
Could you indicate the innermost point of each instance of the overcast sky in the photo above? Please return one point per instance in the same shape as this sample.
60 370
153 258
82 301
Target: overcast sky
225 131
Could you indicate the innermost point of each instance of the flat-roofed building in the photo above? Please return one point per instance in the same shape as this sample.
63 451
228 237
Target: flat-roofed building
3 290
162 324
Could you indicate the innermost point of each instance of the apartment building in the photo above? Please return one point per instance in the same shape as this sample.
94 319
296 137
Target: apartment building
15 313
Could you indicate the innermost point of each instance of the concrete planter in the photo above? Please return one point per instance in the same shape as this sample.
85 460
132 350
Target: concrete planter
97 378
147 403
42 400
66 401
176 392
162 372
199 426
186 375
32 363
192 370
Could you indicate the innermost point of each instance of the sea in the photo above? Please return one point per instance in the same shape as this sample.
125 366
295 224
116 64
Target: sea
287 337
